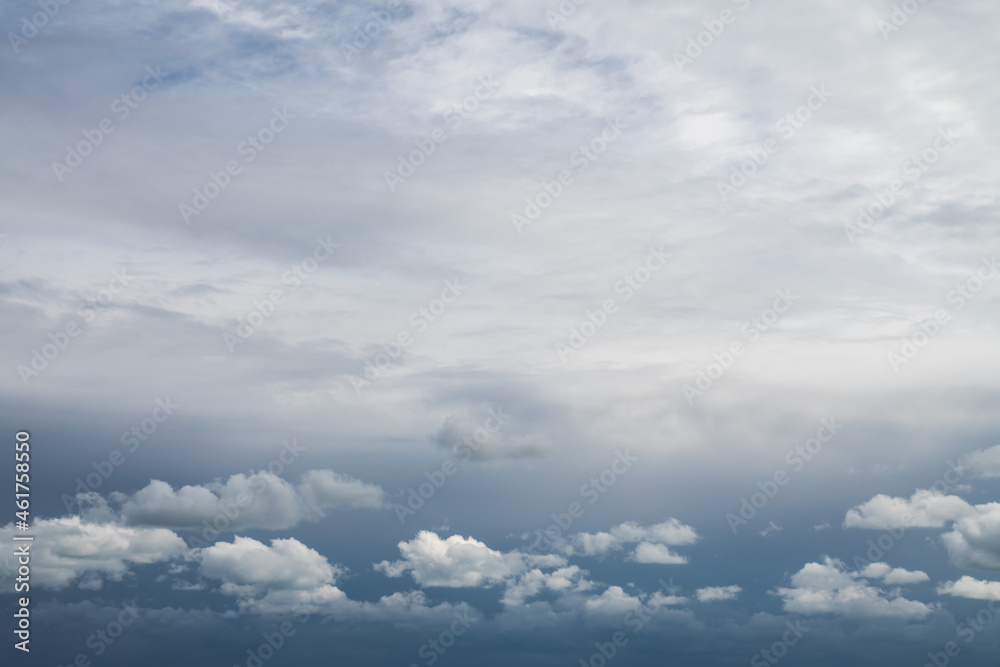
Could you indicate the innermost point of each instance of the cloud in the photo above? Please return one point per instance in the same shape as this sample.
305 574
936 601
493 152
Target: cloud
827 588
967 587
485 438
455 562
974 540
718 593
70 549
569 579
924 509
891 575
772 527
652 541
983 462
612 601
258 500
283 576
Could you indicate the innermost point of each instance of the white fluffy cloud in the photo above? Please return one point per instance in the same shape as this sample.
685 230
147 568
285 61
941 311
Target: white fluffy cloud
69 550
455 562
259 500
967 587
924 509
286 575
652 541
827 588
718 593
891 575
974 540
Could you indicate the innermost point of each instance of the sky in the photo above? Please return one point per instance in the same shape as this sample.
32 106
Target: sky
426 332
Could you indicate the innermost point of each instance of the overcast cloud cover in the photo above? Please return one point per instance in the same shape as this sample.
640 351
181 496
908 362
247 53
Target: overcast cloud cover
503 332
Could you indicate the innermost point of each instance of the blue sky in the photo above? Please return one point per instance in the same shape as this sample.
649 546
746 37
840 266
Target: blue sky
535 333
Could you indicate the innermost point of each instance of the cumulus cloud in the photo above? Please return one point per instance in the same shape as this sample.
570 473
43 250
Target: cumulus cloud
455 562
652 542
827 588
69 550
258 500
718 593
983 462
283 576
968 587
974 540
924 509
892 575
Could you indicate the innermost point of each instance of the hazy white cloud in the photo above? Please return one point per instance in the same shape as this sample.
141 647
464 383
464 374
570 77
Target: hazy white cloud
258 500
983 462
718 593
827 588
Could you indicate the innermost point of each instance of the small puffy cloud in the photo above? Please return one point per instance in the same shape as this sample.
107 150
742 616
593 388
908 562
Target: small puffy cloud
718 593
924 509
893 576
612 601
983 462
827 588
652 541
967 587
974 540
258 500
564 580
455 562
72 549
656 554
285 575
